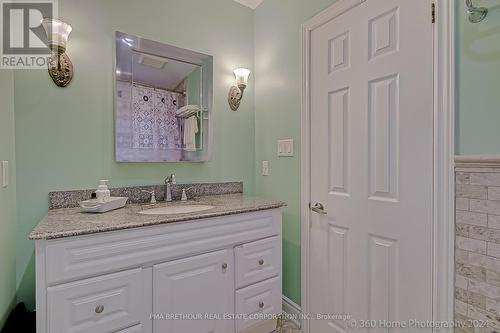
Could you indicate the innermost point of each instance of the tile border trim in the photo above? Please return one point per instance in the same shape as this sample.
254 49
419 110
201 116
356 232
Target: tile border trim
477 161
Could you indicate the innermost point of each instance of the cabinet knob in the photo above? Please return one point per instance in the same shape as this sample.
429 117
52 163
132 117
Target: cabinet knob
224 266
261 305
99 308
261 262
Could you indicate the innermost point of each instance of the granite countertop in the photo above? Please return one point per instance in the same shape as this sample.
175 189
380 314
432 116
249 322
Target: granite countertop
70 222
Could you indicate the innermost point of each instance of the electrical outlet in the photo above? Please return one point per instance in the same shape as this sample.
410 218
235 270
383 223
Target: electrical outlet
5 173
265 168
285 148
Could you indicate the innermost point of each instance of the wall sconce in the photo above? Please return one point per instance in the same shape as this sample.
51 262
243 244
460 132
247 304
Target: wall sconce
59 66
236 92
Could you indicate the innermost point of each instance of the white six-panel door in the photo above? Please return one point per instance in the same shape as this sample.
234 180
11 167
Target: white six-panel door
371 88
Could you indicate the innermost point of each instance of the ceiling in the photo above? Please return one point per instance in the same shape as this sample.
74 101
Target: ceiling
179 63
169 77
250 3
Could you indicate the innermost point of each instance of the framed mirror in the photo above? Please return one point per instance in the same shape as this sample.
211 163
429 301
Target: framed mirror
163 102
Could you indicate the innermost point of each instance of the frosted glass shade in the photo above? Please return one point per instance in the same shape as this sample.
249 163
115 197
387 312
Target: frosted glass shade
57 34
241 75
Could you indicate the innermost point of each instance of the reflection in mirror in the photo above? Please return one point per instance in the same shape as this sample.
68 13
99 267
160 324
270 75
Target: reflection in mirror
163 102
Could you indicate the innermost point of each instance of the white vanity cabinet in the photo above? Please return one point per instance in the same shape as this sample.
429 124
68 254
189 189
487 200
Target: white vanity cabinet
220 274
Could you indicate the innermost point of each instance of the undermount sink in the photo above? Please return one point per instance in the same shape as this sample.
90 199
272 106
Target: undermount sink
170 210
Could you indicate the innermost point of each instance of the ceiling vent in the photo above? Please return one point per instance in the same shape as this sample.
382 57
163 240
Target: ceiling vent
153 61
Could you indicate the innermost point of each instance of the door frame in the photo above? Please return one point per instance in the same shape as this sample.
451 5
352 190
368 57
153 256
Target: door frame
444 148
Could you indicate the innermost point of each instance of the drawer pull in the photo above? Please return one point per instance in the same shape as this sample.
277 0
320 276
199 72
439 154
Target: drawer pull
99 308
261 262
224 266
261 305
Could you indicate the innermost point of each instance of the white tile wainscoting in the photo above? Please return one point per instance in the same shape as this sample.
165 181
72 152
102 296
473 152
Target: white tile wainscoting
477 242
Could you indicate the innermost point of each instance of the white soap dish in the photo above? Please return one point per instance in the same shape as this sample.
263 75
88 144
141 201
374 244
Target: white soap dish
112 203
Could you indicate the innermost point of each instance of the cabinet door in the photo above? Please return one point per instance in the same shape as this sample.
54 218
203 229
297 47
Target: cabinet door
199 288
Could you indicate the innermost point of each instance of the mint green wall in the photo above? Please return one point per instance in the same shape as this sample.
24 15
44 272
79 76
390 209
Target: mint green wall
65 136
193 87
478 81
277 76
7 198
193 93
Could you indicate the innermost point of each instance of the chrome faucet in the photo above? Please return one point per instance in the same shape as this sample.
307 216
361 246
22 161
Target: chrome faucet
169 181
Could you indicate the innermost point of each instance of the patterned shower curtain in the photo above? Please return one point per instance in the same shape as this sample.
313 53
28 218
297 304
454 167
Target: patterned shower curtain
154 125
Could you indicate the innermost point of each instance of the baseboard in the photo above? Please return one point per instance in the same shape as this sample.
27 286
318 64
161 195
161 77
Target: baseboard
293 310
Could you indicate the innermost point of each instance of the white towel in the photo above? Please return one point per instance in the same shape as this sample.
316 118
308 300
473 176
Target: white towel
188 108
190 127
190 130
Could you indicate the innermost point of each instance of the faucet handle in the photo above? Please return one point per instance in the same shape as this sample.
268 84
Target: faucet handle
153 196
184 195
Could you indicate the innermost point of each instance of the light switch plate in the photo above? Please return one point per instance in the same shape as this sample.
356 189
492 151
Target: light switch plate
265 168
285 148
5 173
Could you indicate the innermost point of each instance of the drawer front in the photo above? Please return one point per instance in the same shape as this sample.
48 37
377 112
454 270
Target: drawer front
258 261
104 304
257 303
86 256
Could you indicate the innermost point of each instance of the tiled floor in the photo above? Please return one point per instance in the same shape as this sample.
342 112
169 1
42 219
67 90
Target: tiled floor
288 327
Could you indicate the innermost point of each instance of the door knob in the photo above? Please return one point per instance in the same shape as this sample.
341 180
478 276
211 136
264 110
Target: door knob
319 208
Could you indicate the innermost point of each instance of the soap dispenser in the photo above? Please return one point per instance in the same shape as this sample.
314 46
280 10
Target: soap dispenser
103 194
